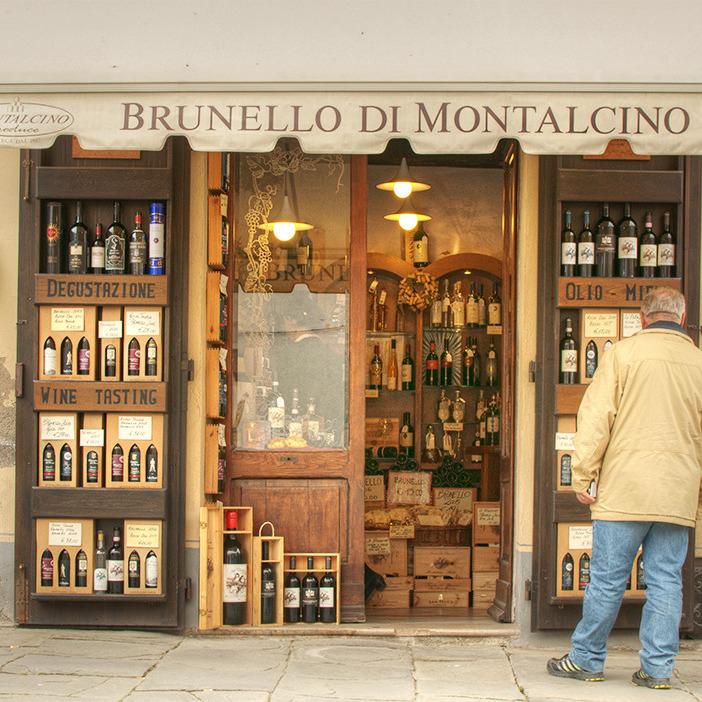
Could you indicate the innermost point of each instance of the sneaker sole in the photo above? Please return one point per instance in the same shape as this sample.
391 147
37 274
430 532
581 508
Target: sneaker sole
583 675
651 687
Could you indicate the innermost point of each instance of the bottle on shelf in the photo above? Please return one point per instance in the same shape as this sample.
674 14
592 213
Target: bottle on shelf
137 248
590 358
268 586
492 368
151 570
115 564
458 409
327 594
234 575
100 569
420 247
567 567
430 454
492 423
115 244
407 370
291 594
312 425
78 243
648 249
569 254
157 238
133 357
223 314
65 463
392 368
48 463
640 574
431 376
446 318
151 368
569 356
222 394
373 307
81 574
134 464
47 568
475 378
310 594
605 244
583 571
83 357
407 436
134 570
467 364
447 444
117 464
97 251
54 235
294 422
627 244
494 308
376 369
382 310
225 242
443 407
49 356
435 311
304 250
446 365
276 410
64 569
586 248
458 307
472 312
91 468
110 369
566 473
222 462
482 422
66 356
482 308
666 250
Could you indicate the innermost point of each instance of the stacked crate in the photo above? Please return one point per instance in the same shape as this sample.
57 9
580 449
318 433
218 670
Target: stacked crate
486 552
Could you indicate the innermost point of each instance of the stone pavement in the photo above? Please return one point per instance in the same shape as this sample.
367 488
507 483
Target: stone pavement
69 664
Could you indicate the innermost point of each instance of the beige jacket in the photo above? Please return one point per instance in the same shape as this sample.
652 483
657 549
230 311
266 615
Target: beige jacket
639 431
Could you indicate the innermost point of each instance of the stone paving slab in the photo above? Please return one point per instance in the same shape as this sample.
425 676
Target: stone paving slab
66 686
24 637
461 651
155 696
39 664
291 685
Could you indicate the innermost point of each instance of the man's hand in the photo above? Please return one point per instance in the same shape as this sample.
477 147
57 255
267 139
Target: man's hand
585 498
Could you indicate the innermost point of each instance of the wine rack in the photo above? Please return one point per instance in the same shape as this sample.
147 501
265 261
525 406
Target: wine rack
318 569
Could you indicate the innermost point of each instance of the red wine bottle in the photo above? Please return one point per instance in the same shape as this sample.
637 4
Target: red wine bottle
446 365
648 249
81 569
54 235
605 244
235 576
92 468
137 248
110 361
151 464
291 595
407 370
327 594
65 463
431 376
310 594
83 357
66 356
134 570
627 244
64 569
586 248
47 568
49 356
590 358
567 572
568 247
569 356
268 586
376 369
583 571
117 464
151 358
666 250
133 357
97 251
134 464
78 243
115 245
566 470
221 467
48 463
100 570
115 564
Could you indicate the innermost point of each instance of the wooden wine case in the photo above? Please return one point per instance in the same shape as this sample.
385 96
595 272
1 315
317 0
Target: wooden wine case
318 569
276 549
73 535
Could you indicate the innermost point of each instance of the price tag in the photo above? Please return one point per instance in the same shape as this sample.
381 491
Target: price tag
409 488
494 330
631 323
110 329
488 516
374 488
142 535
601 324
402 531
580 537
564 441
67 319
134 428
453 426
92 437
57 428
378 545
143 322
65 534
370 394
456 499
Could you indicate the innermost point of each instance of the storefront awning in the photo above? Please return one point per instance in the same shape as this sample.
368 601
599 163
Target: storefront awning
358 122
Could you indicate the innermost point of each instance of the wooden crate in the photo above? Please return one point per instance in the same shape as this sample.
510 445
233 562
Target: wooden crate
600 325
75 322
143 324
128 430
59 429
73 535
442 584
318 568
441 536
216 283
486 559
445 561
143 536
385 555
212 439
486 523
441 598
92 441
110 333
484 585
276 552
399 598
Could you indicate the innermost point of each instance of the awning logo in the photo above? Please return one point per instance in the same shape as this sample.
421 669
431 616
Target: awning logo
29 120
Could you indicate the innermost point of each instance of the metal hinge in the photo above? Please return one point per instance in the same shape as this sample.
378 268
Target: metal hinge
532 371
186 584
530 589
19 379
188 366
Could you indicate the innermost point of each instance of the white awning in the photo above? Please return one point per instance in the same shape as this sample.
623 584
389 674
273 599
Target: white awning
359 122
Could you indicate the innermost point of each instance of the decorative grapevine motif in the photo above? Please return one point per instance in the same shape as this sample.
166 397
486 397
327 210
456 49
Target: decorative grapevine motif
418 290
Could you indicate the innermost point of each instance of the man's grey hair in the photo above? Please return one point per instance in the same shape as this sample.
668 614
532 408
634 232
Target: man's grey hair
663 303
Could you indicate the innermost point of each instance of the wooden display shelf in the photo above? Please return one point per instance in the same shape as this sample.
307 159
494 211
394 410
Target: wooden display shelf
89 289
568 398
319 566
218 204
143 325
73 322
96 396
73 536
212 384
609 292
58 429
87 597
214 279
143 536
109 504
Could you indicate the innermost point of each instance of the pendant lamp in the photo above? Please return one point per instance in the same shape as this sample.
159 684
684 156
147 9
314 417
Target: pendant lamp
407 215
285 223
403 183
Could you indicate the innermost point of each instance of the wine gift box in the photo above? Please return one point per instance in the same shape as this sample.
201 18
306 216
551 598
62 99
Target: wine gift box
72 324
110 333
599 326
142 431
58 436
92 445
275 560
566 429
142 327
73 536
318 569
144 536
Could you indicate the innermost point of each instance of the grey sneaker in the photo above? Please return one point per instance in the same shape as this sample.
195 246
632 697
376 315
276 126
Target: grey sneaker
565 668
644 680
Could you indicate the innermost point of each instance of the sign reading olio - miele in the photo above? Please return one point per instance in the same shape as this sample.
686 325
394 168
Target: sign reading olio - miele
360 122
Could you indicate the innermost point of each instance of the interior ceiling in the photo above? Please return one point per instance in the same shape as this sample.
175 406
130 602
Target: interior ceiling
397 148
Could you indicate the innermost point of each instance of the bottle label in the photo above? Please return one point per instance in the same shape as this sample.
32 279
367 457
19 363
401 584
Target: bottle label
446 360
566 472
97 257
100 580
84 360
276 416
472 311
492 354
494 314
234 582
310 596
420 250
303 253
666 254
430 443
492 425
435 314
133 362
568 253
313 427
482 313
115 571
114 253
459 313
117 466
432 364
406 373
47 569
406 437
376 374
137 252
648 255
133 566
326 598
295 427
151 571
49 468
392 382
381 298
586 253
268 588
605 243
569 360
627 247
75 257
49 361
292 597
92 467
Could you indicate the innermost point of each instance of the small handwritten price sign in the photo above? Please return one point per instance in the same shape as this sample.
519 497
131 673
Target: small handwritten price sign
409 488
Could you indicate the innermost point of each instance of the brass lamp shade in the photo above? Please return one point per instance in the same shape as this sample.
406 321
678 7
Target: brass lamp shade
286 218
407 215
403 183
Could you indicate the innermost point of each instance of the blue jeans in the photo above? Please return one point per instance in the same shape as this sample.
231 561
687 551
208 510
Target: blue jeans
614 547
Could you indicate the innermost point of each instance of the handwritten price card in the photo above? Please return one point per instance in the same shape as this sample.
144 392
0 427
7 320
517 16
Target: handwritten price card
580 537
143 322
374 489
67 319
401 531
631 323
57 428
65 533
455 499
378 545
134 428
488 516
142 535
109 329
92 437
409 488
601 325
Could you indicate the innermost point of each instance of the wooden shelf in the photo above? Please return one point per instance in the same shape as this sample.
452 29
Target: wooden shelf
568 398
64 289
102 503
99 396
93 597
609 292
605 185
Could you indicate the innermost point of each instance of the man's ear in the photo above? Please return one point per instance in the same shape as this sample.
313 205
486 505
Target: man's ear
683 318
643 320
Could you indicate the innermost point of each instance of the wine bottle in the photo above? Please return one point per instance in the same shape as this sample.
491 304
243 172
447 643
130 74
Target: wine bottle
467 365
83 357
137 248
376 369
482 308
100 570
276 410
97 251
47 568
640 574
235 576
446 319
115 564
225 241
221 467
134 570
91 468
392 368
648 249
475 379
151 368
291 595
666 250
446 365
78 243
373 307
157 239
294 421
605 244
151 464
568 247
312 424
304 254
492 372
443 408
586 248
64 569
310 594
567 572
110 370
420 247
569 355
222 392
134 464
327 594
431 376
151 570
407 370
627 244
566 476
435 312
458 408
583 571
223 316
268 588
382 311
54 235
590 358
49 356
133 357
66 356
65 463
458 307
48 463
472 318
494 308
407 436
117 464
115 244
492 423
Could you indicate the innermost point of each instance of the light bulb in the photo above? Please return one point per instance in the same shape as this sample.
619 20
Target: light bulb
402 189
408 221
284 231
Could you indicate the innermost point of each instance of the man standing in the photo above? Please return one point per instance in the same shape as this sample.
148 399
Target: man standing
639 443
